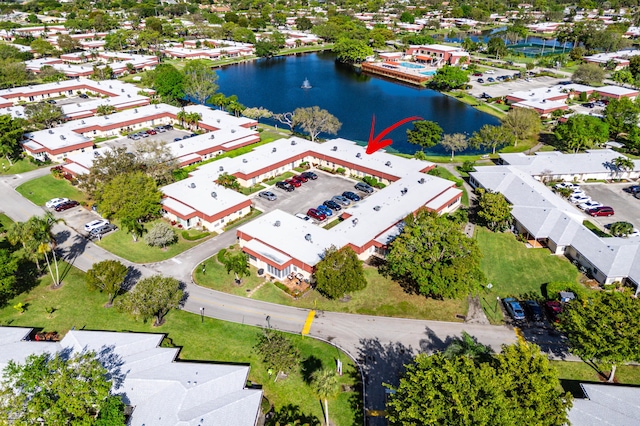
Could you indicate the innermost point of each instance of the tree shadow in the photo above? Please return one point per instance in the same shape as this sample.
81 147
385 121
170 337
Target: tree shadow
290 415
132 277
113 362
310 366
432 343
62 236
71 253
355 397
381 364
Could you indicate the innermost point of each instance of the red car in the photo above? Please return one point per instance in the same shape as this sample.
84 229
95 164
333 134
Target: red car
66 205
293 182
477 74
554 308
300 178
601 211
316 214
151 132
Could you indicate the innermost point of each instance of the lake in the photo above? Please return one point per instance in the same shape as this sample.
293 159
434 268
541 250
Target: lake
353 97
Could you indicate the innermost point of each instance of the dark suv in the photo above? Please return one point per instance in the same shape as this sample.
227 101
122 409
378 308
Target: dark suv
351 195
310 175
361 186
285 185
332 205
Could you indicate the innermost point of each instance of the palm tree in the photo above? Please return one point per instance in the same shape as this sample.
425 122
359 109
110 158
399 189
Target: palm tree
41 231
467 346
623 164
19 233
325 385
182 116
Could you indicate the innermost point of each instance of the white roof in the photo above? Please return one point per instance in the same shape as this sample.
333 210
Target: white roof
543 104
57 138
268 252
558 163
161 391
197 193
606 404
617 90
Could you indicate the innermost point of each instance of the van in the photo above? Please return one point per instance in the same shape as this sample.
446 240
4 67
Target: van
601 211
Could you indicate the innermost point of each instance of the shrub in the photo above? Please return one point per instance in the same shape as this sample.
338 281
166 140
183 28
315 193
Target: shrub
189 237
161 235
467 166
221 254
341 170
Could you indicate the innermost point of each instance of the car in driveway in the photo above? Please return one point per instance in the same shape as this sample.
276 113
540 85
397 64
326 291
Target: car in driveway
491 80
332 205
295 183
160 129
102 230
534 310
633 189
285 185
324 209
66 205
316 214
601 211
480 80
343 201
554 309
514 308
567 185
94 224
267 195
351 195
309 175
361 186
589 205
579 198
151 132
301 178
52 203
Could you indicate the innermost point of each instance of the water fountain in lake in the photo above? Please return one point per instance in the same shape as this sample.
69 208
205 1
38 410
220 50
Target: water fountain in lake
306 84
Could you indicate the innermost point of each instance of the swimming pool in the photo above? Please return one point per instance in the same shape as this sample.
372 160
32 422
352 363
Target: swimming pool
428 73
411 65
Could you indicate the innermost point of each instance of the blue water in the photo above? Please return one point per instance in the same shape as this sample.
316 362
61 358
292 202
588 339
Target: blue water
428 73
410 65
353 97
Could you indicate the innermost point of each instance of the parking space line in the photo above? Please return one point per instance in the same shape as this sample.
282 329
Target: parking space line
307 323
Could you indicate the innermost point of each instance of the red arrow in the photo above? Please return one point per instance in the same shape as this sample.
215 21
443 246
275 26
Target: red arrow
378 142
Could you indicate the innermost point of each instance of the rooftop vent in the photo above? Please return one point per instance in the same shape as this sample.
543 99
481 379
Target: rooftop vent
308 238
50 131
274 150
335 148
403 191
135 110
110 87
192 185
244 160
421 180
129 95
214 195
218 120
355 221
78 104
62 137
233 130
388 164
212 136
181 146
293 142
276 223
221 169
377 208
358 155
121 90
82 122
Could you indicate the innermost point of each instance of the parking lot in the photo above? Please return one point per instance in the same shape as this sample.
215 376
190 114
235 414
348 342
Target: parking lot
504 88
612 194
76 218
308 195
167 136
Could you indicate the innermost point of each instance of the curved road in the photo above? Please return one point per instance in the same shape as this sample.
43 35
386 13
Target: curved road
380 344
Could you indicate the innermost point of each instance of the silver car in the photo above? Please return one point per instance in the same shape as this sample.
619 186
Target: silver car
268 195
343 201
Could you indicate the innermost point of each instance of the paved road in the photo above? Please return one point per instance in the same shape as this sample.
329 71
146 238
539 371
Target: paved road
380 344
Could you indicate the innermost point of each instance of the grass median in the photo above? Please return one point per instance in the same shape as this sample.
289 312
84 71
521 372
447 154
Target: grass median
212 340
42 189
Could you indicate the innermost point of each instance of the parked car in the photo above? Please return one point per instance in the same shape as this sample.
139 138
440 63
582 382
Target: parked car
160 129
101 230
589 205
361 186
514 308
144 134
343 201
588 104
66 205
177 139
351 195
332 205
480 80
95 224
316 214
485 95
303 216
309 175
151 132
168 126
324 209
553 308
568 185
491 80
193 135
477 74
601 211
489 72
295 183
52 203
285 185
83 96
635 233
633 189
301 178
268 195
534 310
296 179
579 199
51 101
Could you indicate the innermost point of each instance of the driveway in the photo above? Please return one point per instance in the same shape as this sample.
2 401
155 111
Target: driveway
625 205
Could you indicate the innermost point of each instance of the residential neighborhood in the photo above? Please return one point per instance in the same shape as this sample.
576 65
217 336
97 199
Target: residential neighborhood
232 213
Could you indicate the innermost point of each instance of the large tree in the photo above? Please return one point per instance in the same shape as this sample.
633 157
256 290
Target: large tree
199 80
277 351
107 166
43 115
236 263
424 133
493 209
339 272
8 269
349 50
314 121
582 132
496 47
156 159
59 390
604 329
517 384
621 115
40 231
153 297
432 256
11 130
524 123
454 142
168 82
588 74
107 276
449 77
489 136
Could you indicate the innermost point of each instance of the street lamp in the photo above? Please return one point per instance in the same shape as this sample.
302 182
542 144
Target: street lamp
269 321
202 315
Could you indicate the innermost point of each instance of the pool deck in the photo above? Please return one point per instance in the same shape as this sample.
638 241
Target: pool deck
396 71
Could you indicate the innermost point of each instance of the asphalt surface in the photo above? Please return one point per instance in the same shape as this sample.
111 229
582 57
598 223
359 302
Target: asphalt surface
380 345
611 194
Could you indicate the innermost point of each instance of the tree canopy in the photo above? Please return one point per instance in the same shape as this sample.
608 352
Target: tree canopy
199 80
152 297
588 74
582 131
350 50
523 123
454 142
621 115
107 276
603 328
425 133
432 256
277 351
493 209
130 195
168 82
517 385
493 137
339 272
449 77
11 130
58 390
43 115
314 121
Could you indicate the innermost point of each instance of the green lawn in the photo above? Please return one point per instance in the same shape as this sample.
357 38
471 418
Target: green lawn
446 174
382 296
570 370
214 340
5 221
20 166
516 270
121 244
254 213
44 188
285 175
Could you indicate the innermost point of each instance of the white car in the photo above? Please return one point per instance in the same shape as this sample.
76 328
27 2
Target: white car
489 72
579 199
568 185
95 224
52 203
589 205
